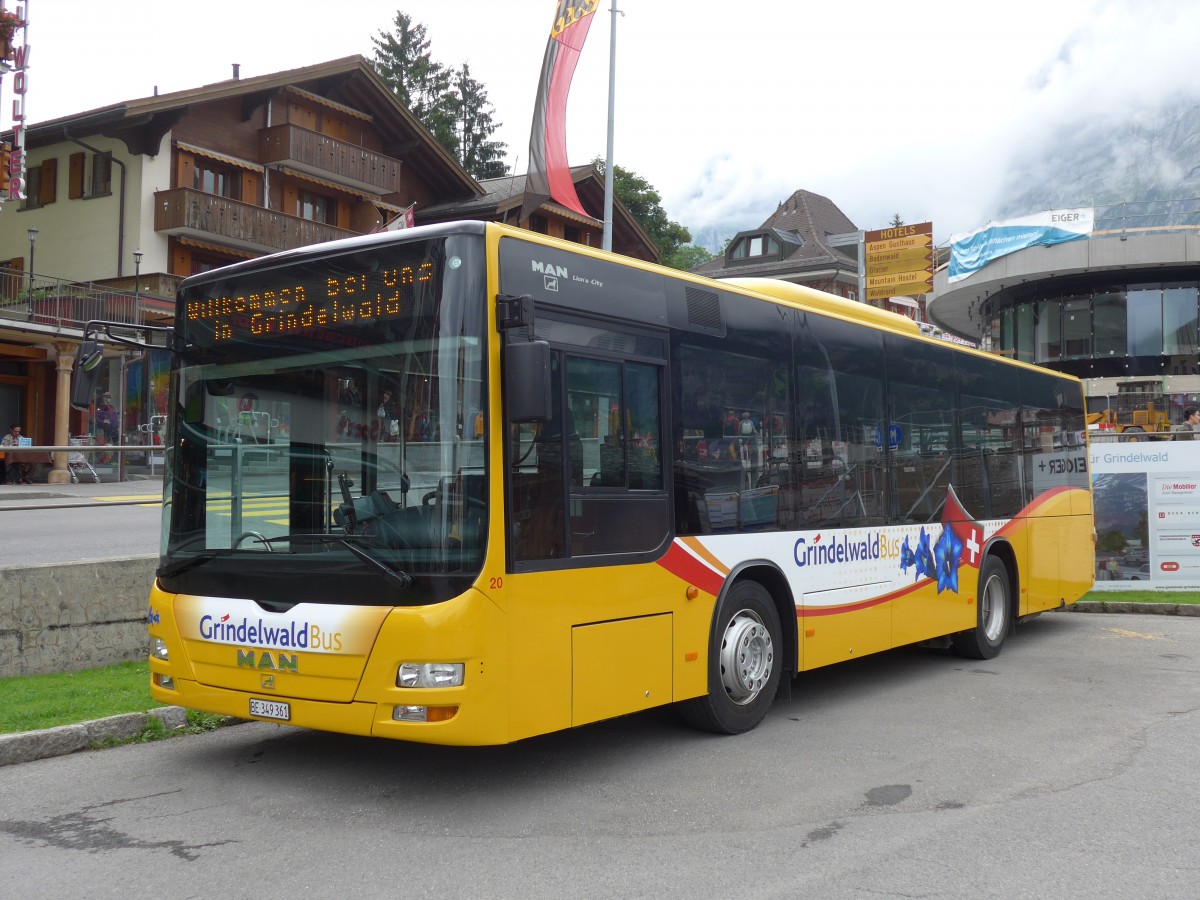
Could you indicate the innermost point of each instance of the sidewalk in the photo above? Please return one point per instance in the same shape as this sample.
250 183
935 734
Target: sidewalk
17 496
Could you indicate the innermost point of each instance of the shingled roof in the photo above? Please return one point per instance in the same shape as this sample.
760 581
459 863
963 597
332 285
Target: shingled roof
502 198
351 80
802 225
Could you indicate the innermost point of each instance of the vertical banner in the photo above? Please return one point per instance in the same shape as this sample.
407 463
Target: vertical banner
549 175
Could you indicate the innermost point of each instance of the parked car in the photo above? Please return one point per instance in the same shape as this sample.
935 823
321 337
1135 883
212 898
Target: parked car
1136 573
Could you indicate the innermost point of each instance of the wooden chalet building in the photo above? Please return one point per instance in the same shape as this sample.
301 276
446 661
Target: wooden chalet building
125 201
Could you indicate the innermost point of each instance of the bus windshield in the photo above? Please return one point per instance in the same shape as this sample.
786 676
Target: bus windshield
329 427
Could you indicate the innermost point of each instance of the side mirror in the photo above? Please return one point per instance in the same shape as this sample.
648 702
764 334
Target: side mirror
85 373
527 381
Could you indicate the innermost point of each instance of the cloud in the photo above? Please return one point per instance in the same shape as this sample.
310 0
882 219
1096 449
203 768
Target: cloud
999 113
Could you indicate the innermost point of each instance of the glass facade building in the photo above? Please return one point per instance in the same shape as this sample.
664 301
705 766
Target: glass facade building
1118 310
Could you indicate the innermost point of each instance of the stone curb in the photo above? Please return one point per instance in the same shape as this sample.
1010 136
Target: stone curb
1150 609
26 746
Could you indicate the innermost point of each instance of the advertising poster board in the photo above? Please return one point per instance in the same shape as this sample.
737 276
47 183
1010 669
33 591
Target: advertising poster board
1147 497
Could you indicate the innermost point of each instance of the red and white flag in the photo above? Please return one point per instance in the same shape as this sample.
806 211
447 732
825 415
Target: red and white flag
549 175
403 219
966 529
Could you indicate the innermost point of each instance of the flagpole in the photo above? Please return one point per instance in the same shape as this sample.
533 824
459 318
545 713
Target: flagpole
608 162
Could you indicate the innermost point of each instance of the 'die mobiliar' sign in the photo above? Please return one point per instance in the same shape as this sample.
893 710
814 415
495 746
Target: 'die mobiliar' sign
973 250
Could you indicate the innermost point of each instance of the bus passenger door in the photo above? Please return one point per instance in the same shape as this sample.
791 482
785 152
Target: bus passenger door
588 501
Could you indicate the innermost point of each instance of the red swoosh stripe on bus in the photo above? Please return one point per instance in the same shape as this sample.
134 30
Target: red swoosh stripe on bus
683 565
808 612
1042 499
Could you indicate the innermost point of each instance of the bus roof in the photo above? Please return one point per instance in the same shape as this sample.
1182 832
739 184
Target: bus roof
810 298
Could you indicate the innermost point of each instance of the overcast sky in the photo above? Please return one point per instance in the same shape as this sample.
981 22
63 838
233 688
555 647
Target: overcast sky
726 108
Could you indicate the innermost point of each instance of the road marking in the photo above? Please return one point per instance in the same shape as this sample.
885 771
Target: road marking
1121 632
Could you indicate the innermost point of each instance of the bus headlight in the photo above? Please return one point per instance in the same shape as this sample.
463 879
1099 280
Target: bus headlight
429 675
158 649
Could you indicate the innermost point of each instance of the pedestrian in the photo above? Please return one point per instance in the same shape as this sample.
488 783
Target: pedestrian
108 423
1186 430
18 472
387 418
1114 573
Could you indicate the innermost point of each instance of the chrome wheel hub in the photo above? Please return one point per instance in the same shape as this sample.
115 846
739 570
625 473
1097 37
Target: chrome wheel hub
747 657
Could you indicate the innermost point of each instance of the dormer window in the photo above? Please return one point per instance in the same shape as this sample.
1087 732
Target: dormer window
752 246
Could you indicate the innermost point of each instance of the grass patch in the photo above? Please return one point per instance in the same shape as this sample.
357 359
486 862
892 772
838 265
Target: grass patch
1144 596
43 701
33 702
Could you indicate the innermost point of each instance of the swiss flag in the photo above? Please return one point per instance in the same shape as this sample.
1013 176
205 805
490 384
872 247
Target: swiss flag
958 521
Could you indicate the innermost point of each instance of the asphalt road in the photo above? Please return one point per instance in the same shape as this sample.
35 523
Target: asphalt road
1064 768
73 522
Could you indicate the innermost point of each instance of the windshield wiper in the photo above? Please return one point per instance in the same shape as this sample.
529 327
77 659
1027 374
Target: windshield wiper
182 565
400 577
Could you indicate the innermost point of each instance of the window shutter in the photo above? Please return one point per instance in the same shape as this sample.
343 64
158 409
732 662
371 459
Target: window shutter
48 188
75 176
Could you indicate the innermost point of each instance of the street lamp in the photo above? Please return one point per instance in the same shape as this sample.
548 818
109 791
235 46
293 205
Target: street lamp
137 282
33 233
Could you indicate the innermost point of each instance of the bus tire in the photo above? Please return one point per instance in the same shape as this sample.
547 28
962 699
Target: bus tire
744 663
993 614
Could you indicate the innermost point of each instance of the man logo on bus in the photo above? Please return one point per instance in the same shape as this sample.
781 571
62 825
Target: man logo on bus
550 274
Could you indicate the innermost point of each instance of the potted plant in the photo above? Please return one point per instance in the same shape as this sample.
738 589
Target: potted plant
9 23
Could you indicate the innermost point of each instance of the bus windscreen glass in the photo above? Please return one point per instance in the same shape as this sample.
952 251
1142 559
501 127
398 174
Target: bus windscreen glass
329 417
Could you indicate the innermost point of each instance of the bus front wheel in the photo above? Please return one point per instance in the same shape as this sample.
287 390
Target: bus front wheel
993 614
744 665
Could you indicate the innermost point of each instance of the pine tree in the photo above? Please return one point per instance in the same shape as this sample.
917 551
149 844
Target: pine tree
451 104
482 157
423 85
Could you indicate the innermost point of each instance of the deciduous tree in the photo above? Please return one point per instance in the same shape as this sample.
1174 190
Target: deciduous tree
645 205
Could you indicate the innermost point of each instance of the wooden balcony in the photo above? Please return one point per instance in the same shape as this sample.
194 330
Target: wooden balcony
334 160
184 212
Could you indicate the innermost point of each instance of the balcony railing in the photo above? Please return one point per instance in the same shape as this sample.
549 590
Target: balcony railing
335 160
63 304
189 213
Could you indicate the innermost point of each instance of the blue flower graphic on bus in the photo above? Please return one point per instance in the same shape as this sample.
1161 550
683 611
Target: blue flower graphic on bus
948 553
961 538
921 558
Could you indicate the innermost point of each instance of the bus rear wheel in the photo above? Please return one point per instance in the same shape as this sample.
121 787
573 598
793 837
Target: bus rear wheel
744 666
993 611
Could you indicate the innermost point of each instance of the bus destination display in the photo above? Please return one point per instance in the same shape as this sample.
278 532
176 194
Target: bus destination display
327 300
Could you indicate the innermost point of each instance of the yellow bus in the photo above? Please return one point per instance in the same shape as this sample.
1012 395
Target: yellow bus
467 484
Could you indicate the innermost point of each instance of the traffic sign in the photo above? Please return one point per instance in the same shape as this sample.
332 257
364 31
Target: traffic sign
900 243
885 265
921 253
901 279
897 231
882 292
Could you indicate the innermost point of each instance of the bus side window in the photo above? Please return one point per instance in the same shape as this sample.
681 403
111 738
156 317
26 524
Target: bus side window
537 481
